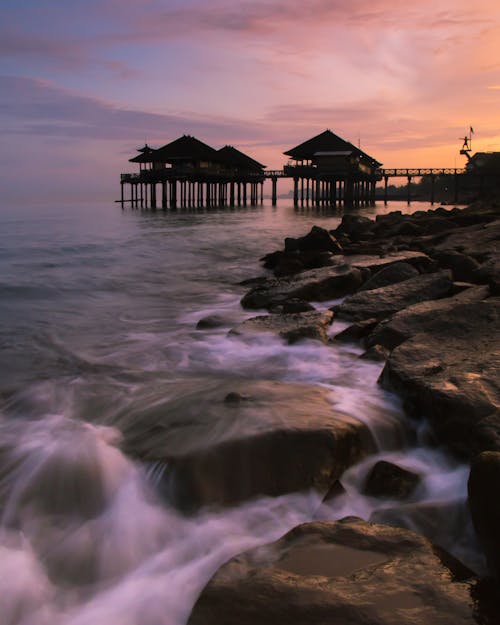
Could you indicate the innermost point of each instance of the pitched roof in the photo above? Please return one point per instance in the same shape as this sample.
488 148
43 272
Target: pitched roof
186 148
146 155
326 141
233 157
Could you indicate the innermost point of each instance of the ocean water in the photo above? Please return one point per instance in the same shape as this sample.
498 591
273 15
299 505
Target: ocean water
98 314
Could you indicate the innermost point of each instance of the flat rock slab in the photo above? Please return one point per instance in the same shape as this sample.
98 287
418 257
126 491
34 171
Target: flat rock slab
344 573
377 263
312 285
292 327
385 301
450 372
232 442
345 276
410 321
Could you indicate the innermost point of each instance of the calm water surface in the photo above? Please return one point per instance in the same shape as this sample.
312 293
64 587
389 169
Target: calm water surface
98 313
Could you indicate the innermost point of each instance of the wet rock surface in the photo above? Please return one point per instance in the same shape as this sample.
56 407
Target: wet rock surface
313 285
349 572
390 480
248 439
385 301
292 327
449 373
422 293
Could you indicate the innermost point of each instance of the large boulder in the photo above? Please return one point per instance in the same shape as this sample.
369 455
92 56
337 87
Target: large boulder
292 327
387 479
484 502
385 301
345 573
450 372
410 321
312 285
232 442
317 240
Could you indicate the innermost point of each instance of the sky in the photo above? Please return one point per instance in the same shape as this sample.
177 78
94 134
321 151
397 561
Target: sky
84 83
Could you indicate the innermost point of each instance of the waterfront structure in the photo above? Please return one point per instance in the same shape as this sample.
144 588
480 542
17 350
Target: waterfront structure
327 170
191 173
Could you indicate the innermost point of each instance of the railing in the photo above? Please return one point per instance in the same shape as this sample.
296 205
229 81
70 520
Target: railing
422 171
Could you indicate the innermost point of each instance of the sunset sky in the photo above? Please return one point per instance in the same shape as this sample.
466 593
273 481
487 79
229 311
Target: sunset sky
84 83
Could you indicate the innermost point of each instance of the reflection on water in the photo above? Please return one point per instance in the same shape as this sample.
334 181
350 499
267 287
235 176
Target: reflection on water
98 336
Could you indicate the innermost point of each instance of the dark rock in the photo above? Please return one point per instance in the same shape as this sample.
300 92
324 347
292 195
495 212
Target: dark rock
292 327
356 331
449 372
377 353
389 275
288 265
389 480
407 322
294 305
356 227
484 502
317 240
463 267
312 285
234 398
349 572
212 321
385 301
335 491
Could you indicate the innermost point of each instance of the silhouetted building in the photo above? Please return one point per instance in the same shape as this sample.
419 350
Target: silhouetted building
195 173
330 170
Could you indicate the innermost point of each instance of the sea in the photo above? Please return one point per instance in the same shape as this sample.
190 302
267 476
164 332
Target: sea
98 328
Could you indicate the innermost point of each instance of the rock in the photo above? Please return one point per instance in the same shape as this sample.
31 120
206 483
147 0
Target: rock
356 331
407 322
389 480
349 572
419 260
234 398
292 327
213 321
390 275
377 353
479 241
317 240
446 523
450 372
356 227
385 301
290 263
484 502
294 305
282 438
312 285
463 267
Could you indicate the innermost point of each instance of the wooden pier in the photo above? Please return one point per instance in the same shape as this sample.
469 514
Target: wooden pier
326 171
188 173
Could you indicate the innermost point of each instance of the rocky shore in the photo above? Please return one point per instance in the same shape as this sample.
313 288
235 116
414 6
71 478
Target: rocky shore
422 293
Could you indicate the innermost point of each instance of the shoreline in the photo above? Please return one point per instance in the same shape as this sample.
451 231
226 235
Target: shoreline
421 294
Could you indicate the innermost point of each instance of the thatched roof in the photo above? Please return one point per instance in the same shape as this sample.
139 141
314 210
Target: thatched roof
326 143
234 158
